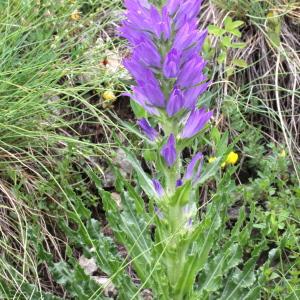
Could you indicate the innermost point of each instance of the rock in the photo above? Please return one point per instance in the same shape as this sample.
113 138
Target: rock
108 287
88 264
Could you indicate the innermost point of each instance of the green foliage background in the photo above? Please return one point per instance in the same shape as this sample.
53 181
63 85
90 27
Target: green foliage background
53 163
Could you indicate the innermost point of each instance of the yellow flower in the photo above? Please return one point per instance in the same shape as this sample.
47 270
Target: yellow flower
109 96
231 158
211 159
282 153
75 16
223 164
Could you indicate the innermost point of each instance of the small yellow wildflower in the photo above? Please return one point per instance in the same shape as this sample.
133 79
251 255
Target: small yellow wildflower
282 153
75 16
109 96
232 158
223 164
211 159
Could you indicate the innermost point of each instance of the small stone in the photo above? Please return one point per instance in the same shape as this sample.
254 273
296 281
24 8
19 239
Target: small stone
109 288
88 264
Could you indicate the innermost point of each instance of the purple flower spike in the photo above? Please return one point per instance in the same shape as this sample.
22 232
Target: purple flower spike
194 168
168 151
158 188
148 130
171 64
196 121
175 103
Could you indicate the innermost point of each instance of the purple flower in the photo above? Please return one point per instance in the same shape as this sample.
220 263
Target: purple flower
147 53
191 72
165 44
171 64
179 182
168 151
191 95
158 188
148 130
137 15
152 92
165 24
141 99
160 22
137 69
196 121
185 36
172 6
195 45
194 167
187 11
175 103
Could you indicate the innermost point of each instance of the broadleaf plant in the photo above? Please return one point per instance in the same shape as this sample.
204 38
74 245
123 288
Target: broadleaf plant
170 238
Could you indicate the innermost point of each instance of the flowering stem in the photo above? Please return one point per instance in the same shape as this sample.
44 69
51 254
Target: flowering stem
168 71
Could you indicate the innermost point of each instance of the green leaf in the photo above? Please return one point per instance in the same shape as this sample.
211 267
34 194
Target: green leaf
228 257
202 241
240 63
143 179
235 32
230 25
229 71
239 282
222 56
226 41
131 229
182 194
215 30
222 145
238 45
138 110
210 170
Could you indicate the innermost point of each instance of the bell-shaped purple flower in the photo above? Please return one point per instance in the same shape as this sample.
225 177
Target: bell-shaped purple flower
191 72
137 15
137 69
185 36
175 103
165 24
196 121
191 95
147 53
158 187
171 64
193 170
142 100
187 11
160 22
168 151
195 46
152 92
172 6
147 129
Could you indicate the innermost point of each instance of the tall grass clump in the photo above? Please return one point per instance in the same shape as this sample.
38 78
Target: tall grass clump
51 82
